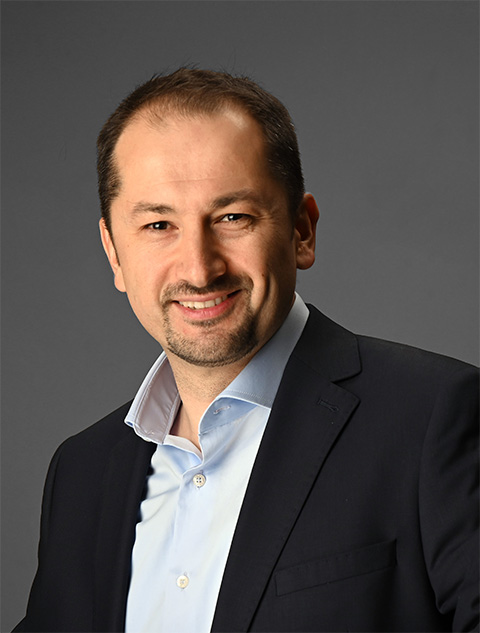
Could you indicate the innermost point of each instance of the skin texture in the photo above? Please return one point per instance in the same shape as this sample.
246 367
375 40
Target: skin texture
199 219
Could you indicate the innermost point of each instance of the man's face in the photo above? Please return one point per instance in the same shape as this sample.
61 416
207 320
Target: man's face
203 243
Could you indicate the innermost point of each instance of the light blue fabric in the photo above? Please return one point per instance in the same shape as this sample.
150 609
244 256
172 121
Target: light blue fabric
194 497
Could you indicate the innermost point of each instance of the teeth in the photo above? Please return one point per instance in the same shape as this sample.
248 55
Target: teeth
199 305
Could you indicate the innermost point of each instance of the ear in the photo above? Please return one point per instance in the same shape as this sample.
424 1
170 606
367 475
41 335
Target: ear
305 226
110 251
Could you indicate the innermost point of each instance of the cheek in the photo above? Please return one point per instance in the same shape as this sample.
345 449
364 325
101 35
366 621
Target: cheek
143 287
281 263
142 267
275 275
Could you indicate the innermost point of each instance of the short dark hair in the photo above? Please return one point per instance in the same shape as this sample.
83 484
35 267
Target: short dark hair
190 91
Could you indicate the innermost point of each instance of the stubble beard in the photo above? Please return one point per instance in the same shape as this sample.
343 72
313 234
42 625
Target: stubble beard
212 348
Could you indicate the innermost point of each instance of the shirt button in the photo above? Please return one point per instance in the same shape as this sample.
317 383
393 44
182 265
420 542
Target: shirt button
199 480
182 581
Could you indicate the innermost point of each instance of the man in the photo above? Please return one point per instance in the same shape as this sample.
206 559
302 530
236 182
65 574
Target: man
282 474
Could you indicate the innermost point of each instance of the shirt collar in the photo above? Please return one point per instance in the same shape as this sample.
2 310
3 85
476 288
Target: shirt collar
156 403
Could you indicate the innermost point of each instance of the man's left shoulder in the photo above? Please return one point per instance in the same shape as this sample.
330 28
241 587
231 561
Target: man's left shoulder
405 362
343 355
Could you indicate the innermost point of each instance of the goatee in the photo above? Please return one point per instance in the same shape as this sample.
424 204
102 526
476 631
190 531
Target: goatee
212 348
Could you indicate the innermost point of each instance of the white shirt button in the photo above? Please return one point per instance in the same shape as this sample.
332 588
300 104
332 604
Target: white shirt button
199 480
182 581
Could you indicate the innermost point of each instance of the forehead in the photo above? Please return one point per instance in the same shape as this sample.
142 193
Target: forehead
196 146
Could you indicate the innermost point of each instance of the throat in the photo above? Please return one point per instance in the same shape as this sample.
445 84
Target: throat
198 387
184 427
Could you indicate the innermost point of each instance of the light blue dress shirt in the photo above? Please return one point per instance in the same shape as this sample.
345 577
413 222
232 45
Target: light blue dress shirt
194 497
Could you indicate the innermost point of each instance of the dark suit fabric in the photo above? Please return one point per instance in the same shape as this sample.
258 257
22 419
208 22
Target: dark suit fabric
360 513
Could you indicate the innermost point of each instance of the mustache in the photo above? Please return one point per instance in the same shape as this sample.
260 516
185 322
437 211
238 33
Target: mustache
224 284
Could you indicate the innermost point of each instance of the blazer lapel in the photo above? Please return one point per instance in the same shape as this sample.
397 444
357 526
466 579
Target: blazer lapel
308 414
124 488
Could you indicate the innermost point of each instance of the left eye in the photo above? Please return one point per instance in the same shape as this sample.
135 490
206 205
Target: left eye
234 217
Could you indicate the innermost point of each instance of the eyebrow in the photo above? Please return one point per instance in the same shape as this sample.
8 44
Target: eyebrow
243 195
150 207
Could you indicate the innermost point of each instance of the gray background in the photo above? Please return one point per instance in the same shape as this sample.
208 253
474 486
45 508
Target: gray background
384 95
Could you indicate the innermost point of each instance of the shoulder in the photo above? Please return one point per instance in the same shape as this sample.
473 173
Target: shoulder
338 353
85 454
384 361
416 389
389 371
80 465
108 431
328 338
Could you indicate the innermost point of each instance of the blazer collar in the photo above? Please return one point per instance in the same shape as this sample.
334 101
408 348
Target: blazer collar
328 348
308 398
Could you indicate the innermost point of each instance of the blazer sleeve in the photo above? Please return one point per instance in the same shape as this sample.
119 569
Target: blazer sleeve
449 499
30 622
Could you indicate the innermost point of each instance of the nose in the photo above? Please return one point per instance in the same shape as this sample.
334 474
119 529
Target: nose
201 260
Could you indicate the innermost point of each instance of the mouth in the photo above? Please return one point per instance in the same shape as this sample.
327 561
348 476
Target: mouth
210 309
201 305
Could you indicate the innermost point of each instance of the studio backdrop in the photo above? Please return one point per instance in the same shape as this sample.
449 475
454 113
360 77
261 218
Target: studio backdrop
384 95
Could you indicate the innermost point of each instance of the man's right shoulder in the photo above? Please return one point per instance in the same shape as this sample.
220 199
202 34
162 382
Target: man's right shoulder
81 463
107 432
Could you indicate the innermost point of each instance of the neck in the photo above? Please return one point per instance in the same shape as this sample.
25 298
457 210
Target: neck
198 387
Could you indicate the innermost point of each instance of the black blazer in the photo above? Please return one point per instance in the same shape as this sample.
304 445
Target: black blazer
360 513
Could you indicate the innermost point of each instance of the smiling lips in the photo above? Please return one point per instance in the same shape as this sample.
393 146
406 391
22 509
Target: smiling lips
201 305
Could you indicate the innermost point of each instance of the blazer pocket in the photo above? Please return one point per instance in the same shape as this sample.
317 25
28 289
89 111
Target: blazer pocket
336 567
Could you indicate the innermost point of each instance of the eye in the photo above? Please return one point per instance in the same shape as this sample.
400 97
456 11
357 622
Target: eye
161 225
235 217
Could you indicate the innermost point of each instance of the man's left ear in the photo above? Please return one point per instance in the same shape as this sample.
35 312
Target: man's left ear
305 227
